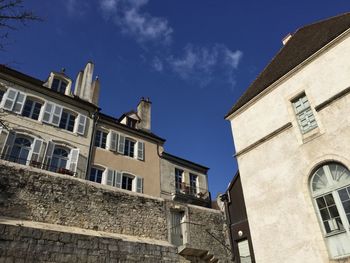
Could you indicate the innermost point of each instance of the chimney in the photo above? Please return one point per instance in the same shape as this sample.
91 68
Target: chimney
86 83
286 38
78 81
144 112
95 91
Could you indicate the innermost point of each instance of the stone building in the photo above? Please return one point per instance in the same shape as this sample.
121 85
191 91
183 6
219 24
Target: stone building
292 138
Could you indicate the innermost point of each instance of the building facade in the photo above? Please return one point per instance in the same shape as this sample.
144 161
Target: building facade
292 137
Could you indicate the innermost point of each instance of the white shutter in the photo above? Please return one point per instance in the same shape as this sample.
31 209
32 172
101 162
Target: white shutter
118 179
110 177
48 111
3 138
56 117
81 124
19 104
37 145
121 144
140 150
112 141
8 145
139 184
9 99
73 160
49 152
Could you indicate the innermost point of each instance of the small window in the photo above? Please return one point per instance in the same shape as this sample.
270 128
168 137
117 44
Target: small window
96 175
131 122
193 184
67 121
129 148
178 179
304 114
127 182
31 109
59 85
100 139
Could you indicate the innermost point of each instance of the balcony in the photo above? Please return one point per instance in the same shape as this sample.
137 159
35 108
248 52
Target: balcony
193 195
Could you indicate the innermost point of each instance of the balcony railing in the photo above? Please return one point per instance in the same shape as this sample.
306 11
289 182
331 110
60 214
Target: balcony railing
191 191
36 164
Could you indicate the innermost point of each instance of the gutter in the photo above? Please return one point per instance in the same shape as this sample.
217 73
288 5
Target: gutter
95 118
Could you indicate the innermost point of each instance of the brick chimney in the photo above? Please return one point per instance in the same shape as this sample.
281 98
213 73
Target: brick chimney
144 112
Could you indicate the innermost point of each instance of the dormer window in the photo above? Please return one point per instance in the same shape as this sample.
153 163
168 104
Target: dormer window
59 85
131 122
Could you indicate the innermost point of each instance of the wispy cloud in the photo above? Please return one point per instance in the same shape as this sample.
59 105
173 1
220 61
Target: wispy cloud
157 64
203 64
132 20
76 7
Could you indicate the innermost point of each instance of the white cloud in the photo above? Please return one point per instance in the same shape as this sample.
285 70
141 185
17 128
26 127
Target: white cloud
157 64
233 58
128 16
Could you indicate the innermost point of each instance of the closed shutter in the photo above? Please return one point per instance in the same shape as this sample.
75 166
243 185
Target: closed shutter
139 184
121 144
10 98
73 160
49 152
110 177
48 111
8 144
3 137
118 179
56 117
112 141
19 104
140 150
37 145
81 124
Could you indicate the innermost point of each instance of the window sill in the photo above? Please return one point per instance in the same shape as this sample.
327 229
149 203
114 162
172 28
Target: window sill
311 135
335 233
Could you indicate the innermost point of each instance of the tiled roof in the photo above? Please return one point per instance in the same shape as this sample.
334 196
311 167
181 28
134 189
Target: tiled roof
304 42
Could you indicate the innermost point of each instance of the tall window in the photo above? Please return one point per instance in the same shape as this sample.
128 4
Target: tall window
59 85
304 114
330 186
193 184
96 175
20 150
60 158
129 147
178 179
127 182
67 121
100 139
31 109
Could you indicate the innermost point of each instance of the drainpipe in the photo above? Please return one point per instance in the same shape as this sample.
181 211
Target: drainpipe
95 117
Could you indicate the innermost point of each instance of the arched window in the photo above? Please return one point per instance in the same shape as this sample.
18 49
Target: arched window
60 158
330 187
20 150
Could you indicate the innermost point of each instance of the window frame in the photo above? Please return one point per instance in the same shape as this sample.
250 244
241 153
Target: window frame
102 141
304 112
97 169
59 86
35 102
68 126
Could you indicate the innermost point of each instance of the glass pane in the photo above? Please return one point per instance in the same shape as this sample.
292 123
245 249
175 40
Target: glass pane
346 206
333 211
343 194
326 226
324 214
320 202
339 223
319 180
339 172
329 199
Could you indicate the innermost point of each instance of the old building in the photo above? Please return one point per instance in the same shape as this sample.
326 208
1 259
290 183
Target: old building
291 134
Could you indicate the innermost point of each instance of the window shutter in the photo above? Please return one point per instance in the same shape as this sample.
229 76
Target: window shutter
3 138
81 124
118 179
139 184
8 145
10 98
37 145
112 141
121 144
19 104
110 177
73 160
56 117
49 152
140 150
48 110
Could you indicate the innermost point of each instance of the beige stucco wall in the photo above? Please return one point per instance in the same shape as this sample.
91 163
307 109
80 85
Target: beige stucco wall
48 132
275 174
148 169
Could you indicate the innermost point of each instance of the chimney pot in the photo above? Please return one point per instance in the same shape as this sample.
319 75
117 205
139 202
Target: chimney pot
286 38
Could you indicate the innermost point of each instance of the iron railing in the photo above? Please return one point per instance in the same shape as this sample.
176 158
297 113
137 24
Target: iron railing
191 191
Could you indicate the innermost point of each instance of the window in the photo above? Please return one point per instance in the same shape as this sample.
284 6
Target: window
96 175
129 147
31 109
193 184
2 92
304 114
243 250
52 113
127 182
13 100
60 159
100 139
124 181
131 122
59 85
20 150
67 121
178 179
330 186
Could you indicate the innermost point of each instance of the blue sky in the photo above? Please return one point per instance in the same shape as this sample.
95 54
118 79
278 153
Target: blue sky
193 58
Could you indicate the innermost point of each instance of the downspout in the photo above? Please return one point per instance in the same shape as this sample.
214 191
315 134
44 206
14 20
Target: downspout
95 117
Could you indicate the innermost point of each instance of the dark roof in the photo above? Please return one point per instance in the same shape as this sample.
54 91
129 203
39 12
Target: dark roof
115 121
39 83
184 162
304 42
